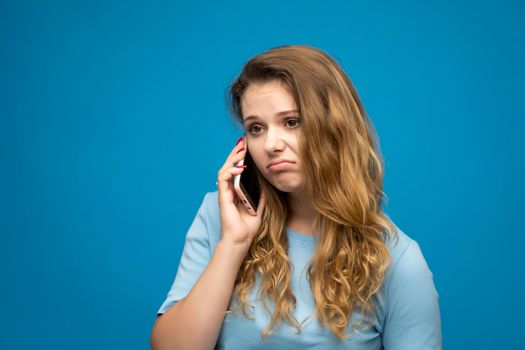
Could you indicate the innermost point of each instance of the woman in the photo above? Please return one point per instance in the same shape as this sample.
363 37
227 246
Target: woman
320 266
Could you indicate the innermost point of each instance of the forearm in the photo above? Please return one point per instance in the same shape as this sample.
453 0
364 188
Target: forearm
195 321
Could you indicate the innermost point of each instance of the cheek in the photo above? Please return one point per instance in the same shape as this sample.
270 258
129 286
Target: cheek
294 145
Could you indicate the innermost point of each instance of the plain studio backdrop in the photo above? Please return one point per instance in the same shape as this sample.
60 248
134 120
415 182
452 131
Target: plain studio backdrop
113 127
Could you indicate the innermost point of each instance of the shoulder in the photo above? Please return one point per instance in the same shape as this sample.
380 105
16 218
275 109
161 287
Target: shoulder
407 258
409 302
408 276
210 212
211 205
402 248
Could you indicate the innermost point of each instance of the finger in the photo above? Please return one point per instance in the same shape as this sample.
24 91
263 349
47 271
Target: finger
237 147
225 176
237 155
234 157
228 172
231 162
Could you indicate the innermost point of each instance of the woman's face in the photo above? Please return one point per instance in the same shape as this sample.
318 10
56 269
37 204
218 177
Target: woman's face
272 122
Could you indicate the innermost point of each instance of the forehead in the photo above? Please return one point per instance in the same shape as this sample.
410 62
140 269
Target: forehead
266 99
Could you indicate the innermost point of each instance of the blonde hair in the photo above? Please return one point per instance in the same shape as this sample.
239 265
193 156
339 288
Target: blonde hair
344 182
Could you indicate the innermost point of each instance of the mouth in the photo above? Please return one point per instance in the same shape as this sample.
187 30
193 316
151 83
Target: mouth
281 165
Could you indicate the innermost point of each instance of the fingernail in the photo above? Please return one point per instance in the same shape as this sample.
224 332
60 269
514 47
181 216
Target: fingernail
241 166
242 149
238 141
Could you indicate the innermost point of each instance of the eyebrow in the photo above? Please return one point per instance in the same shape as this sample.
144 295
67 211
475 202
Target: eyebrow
277 115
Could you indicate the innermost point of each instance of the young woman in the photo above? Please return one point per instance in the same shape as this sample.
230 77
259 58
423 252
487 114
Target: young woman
320 266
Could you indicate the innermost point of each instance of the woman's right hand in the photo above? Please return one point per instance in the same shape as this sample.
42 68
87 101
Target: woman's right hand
238 226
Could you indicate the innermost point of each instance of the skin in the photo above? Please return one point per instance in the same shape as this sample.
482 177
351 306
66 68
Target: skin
272 136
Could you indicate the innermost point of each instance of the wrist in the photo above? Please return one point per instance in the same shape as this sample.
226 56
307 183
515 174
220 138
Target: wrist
234 248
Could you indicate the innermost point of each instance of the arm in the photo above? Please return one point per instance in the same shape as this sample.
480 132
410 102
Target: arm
412 318
195 321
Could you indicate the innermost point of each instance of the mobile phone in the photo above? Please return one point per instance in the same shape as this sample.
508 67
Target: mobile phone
247 186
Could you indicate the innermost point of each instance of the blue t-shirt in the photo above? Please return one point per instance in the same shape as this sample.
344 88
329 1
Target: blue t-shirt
406 309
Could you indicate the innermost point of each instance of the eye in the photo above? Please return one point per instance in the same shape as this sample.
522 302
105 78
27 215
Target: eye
294 122
253 129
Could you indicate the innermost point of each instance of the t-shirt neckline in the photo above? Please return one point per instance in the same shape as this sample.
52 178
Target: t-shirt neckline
300 240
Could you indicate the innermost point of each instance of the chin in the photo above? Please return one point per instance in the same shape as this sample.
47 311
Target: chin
289 187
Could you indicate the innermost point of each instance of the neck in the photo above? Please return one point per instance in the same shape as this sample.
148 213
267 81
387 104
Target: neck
301 214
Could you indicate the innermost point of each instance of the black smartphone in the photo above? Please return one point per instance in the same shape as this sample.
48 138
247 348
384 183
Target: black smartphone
247 184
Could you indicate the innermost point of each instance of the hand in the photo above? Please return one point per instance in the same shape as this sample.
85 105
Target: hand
237 224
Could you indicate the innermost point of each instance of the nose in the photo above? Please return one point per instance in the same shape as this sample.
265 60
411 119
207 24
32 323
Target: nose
274 141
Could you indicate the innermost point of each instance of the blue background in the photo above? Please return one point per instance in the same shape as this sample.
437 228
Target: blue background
113 127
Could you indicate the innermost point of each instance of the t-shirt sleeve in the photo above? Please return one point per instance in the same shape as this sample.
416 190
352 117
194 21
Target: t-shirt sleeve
195 257
413 318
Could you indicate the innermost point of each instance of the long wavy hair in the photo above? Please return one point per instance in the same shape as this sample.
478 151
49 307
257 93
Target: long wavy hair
344 182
